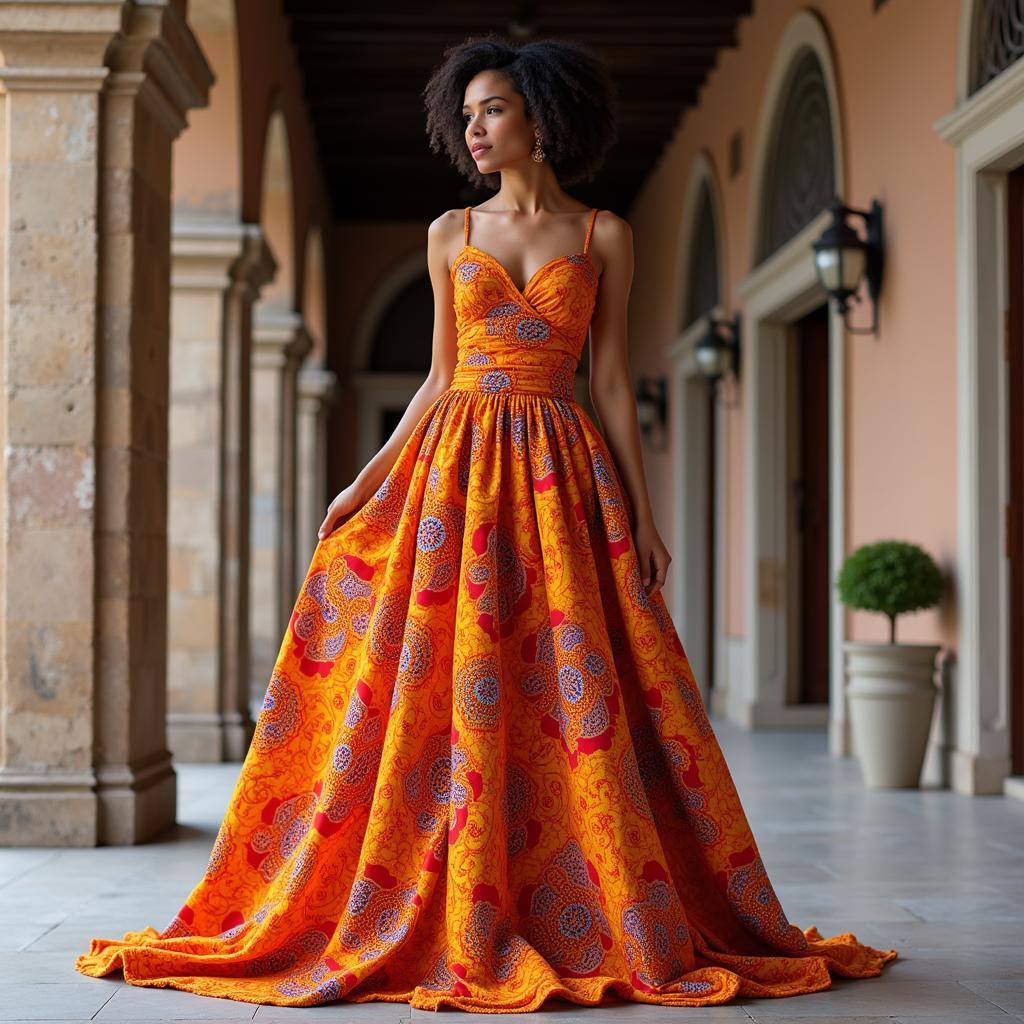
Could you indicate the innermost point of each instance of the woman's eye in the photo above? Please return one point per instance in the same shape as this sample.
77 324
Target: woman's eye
466 117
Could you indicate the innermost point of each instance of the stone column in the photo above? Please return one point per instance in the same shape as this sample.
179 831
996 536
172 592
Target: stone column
280 343
218 270
92 97
318 388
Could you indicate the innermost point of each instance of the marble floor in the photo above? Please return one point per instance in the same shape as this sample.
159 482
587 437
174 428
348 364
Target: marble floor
937 875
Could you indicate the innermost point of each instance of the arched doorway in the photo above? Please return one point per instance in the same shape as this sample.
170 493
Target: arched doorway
793 403
391 356
700 478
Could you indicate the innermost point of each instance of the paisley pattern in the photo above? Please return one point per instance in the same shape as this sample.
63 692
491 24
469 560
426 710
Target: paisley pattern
483 774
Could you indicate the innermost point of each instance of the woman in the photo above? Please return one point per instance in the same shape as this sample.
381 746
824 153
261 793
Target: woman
483 774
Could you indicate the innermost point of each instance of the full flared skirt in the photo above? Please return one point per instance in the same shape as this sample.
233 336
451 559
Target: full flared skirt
483 774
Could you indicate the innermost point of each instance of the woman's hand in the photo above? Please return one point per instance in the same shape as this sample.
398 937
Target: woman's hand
653 555
348 501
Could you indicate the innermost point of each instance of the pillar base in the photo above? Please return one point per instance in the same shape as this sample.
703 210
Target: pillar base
975 775
136 802
119 804
48 809
209 738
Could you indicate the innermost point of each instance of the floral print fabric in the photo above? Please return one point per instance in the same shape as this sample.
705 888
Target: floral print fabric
483 774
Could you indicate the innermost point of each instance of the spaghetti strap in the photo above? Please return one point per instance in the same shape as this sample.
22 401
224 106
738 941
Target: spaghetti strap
590 229
465 237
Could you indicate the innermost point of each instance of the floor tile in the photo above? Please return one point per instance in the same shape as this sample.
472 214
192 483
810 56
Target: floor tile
1008 994
880 996
132 1003
29 1001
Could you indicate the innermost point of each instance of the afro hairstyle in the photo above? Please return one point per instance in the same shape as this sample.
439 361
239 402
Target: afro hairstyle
565 86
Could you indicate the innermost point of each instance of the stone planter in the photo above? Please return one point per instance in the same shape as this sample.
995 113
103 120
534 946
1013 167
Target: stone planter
892 691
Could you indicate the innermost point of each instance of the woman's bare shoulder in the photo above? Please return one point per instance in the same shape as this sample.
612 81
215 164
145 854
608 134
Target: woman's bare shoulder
610 227
447 226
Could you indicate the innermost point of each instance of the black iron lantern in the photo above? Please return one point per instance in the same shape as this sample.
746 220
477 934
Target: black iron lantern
843 258
651 408
718 351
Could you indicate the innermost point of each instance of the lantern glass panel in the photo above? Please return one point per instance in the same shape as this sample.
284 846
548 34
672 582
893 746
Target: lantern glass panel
711 359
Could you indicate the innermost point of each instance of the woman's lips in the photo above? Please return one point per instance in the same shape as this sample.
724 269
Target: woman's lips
480 149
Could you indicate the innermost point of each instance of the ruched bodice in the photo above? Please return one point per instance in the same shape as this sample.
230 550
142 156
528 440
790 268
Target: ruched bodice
521 340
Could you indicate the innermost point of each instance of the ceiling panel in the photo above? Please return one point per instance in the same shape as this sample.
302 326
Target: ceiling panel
364 70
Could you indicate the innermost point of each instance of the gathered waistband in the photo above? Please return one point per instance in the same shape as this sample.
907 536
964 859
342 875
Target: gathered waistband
555 382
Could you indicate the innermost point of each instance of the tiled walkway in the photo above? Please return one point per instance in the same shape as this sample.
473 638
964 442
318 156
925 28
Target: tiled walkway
936 875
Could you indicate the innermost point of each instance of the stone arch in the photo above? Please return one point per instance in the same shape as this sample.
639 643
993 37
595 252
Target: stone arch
380 393
402 276
208 157
277 209
395 348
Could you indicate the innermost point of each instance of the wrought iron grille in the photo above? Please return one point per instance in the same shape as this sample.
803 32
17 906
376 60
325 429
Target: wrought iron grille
800 182
997 40
702 288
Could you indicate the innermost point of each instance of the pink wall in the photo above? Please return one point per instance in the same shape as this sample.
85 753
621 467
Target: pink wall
895 74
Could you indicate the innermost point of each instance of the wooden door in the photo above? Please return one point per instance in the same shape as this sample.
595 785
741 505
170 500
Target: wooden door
811 506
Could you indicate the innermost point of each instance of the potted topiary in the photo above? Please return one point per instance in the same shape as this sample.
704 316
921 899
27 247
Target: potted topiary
891 686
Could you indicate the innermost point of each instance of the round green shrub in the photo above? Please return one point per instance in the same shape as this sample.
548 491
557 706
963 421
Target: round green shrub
891 577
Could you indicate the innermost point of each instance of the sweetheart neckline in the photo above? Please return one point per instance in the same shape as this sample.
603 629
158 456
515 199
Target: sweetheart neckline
508 277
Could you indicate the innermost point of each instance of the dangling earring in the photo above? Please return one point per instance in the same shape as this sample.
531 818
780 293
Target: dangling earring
538 153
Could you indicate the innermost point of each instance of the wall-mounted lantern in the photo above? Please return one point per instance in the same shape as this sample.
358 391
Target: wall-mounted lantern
718 351
652 409
842 258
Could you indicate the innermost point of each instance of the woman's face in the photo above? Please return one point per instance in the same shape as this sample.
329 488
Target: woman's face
495 122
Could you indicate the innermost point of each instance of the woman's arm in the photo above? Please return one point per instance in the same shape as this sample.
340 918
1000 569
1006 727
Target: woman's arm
611 389
440 239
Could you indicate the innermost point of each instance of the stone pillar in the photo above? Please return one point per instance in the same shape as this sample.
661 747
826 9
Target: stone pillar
218 270
318 388
92 97
280 343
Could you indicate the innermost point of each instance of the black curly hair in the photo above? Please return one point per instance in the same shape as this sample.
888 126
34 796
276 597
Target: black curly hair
565 86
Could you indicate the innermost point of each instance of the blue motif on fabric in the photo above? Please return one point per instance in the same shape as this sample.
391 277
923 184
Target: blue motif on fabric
532 329
431 534
495 380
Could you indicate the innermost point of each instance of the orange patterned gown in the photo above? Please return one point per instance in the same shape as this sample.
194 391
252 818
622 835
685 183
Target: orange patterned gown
483 774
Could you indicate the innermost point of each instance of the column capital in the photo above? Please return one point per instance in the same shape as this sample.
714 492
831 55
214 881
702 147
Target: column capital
54 45
213 255
279 338
317 385
122 45
157 56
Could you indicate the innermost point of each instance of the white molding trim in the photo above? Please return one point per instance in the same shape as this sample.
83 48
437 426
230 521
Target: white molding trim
688 413
781 289
987 131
